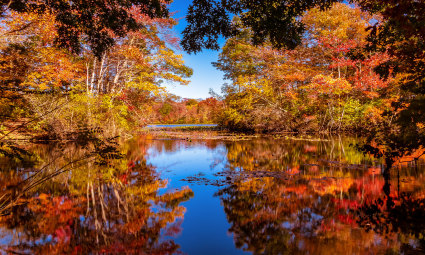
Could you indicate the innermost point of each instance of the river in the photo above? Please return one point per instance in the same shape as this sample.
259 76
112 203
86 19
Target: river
272 195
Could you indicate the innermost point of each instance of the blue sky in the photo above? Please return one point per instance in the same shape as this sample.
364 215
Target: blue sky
205 76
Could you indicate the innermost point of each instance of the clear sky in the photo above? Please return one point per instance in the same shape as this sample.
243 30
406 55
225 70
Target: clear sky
205 76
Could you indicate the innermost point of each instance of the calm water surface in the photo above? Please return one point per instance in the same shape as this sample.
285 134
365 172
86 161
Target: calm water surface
258 196
168 126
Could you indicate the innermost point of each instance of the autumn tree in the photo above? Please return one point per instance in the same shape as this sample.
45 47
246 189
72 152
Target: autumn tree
98 86
97 23
400 33
207 20
397 33
316 86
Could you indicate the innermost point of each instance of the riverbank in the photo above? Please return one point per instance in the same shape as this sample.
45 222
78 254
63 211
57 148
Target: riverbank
175 131
214 132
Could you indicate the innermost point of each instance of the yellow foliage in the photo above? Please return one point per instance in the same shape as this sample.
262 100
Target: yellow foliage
324 84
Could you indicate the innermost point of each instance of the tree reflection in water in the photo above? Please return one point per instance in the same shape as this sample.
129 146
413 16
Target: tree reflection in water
112 207
280 196
320 199
395 212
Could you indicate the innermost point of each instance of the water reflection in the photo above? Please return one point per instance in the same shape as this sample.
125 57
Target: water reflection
322 198
93 207
279 196
395 213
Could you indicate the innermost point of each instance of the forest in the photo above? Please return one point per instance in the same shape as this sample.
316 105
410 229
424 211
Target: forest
61 92
346 73
342 82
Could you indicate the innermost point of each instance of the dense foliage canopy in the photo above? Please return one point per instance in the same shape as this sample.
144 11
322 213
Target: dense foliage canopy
96 22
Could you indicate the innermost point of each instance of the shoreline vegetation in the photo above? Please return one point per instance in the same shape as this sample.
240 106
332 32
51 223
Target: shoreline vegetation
185 131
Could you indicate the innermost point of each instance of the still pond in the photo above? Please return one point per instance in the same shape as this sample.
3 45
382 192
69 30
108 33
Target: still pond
269 195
